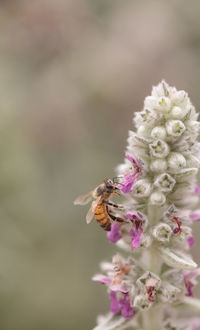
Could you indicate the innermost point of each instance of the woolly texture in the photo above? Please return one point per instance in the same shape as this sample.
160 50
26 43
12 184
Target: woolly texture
152 287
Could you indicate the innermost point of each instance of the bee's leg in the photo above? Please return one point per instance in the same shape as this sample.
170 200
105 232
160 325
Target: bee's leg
114 218
114 205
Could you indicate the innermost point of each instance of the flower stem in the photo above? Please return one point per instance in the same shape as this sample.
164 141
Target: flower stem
152 319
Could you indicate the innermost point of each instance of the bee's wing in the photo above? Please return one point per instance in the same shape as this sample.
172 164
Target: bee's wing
90 214
83 199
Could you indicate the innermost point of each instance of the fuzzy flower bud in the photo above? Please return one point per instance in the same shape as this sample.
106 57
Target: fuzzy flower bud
193 126
147 116
164 104
168 293
175 128
157 198
149 283
165 182
177 113
176 161
143 131
159 149
159 132
158 165
161 104
162 232
142 188
181 99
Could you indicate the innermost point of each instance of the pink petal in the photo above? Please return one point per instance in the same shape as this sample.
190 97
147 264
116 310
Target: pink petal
197 190
102 279
127 185
191 241
130 178
126 309
133 160
136 231
195 216
114 234
133 216
118 288
114 305
136 237
193 274
195 323
189 285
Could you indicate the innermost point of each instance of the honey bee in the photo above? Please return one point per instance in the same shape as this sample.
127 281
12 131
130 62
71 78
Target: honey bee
100 208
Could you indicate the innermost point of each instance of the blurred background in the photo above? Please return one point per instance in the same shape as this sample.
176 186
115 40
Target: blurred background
72 72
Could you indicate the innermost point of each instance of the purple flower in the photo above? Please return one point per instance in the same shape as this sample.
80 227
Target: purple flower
191 241
114 234
197 190
119 293
130 178
116 274
123 304
137 230
114 304
102 279
189 280
189 285
195 216
136 237
126 309
115 284
118 287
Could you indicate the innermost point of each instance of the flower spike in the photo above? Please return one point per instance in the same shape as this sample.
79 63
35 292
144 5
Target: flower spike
154 224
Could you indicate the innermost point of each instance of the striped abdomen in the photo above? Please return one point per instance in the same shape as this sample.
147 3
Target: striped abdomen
102 216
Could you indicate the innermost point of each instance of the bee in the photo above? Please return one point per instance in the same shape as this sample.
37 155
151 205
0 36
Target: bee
100 207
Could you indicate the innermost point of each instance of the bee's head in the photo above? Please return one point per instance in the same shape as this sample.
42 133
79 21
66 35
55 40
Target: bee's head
109 183
110 186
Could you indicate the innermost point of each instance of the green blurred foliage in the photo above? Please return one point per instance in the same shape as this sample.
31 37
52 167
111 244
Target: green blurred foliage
72 73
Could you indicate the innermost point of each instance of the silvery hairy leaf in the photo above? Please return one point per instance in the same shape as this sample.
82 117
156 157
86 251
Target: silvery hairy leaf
177 259
113 322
